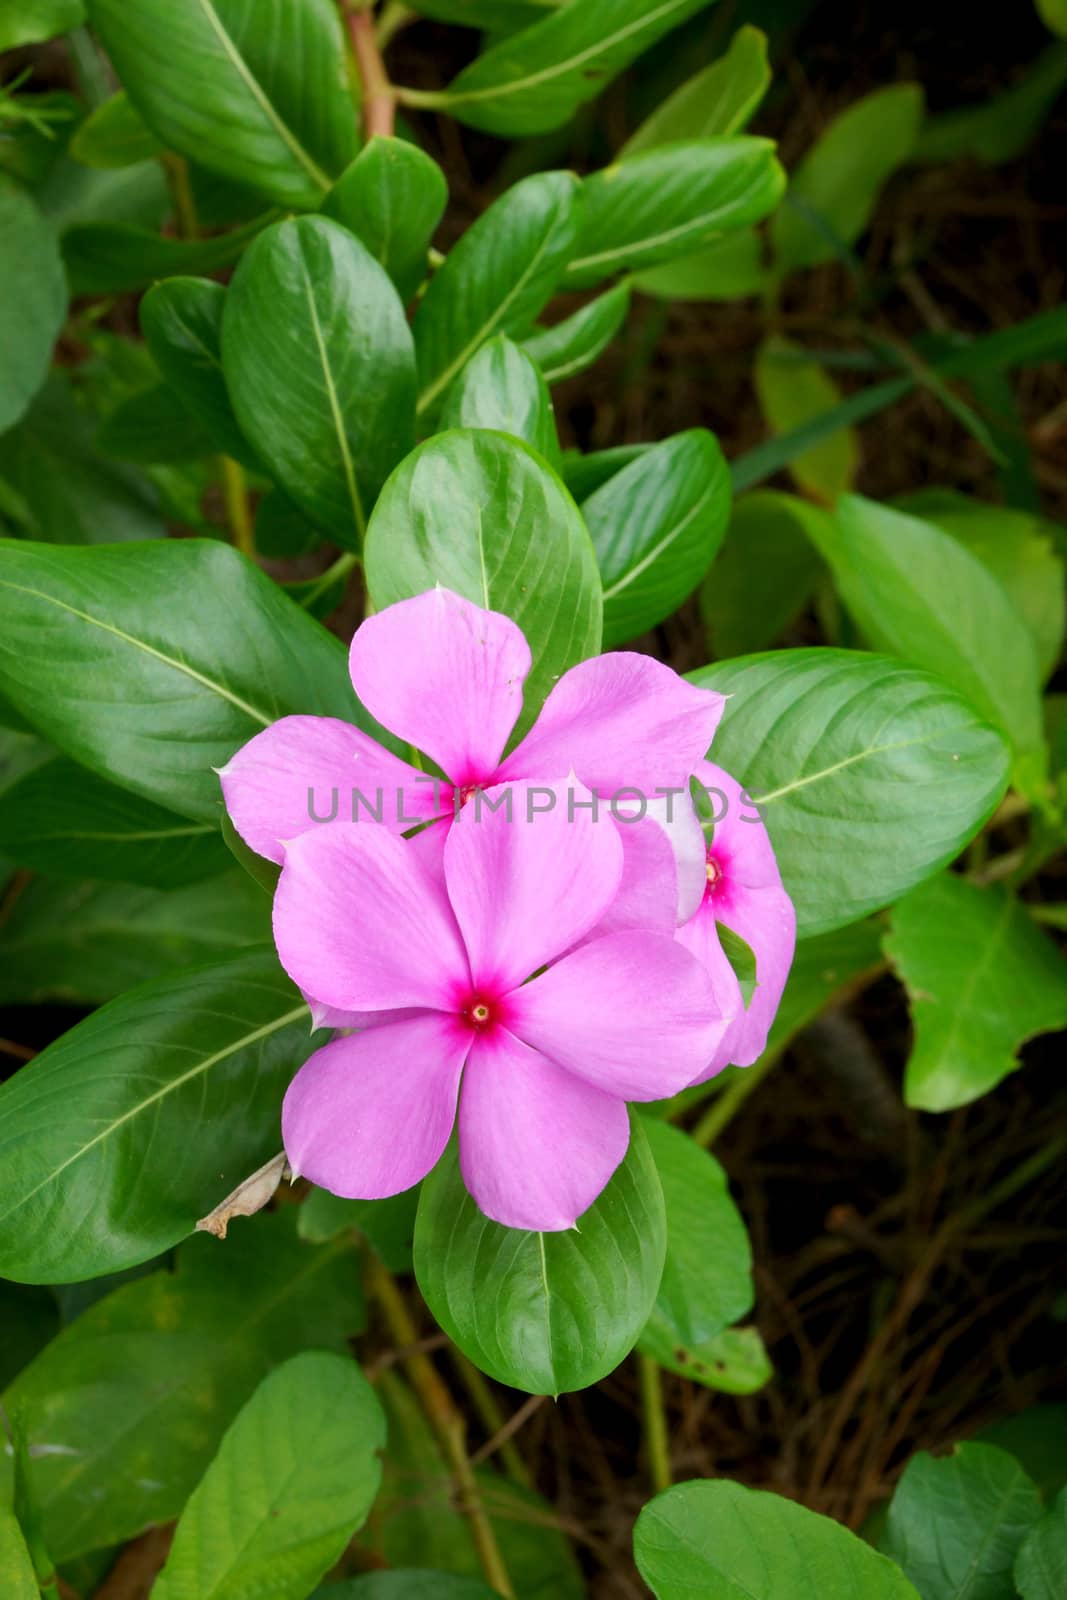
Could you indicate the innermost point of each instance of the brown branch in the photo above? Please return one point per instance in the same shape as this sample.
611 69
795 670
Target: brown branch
379 97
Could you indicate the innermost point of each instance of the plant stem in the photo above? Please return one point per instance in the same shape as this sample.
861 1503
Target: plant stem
655 1423
181 192
485 1403
235 499
394 17
379 97
446 1421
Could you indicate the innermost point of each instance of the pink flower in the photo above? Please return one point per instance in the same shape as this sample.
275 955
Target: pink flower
447 676
477 960
744 893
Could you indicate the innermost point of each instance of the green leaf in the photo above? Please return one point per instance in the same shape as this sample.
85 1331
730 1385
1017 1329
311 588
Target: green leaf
715 1540
98 650
583 474
392 197
114 136
320 369
729 269
707 1276
481 514
981 980
669 201
117 257
30 1320
295 1476
181 320
81 943
544 1312
733 1362
153 427
17 1578
282 530
1041 1565
655 527
489 14
1019 549
496 279
764 575
34 302
869 775
502 388
416 1583
718 100
792 390
998 127
568 347
25 22
63 820
835 188
1053 14
1037 1438
956 1523
388 1225
917 594
141 1387
537 79
417 1520
225 83
142 1118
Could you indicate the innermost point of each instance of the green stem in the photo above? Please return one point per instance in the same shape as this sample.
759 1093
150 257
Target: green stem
181 192
446 1421
655 1423
235 500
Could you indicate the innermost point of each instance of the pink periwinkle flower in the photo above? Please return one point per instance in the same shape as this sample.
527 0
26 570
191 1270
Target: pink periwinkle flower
447 677
489 985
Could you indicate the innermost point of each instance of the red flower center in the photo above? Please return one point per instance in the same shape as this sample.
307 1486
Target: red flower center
714 874
479 1011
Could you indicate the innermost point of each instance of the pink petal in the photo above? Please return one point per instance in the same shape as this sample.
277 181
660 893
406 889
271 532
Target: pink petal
446 676
368 1116
526 883
647 890
620 720
633 1013
323 1016
363 925
305 771
678 820
536 1144
700 937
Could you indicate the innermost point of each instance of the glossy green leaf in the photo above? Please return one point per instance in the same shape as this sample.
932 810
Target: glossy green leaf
224 82
320 369
415 1583
715 1540
1041 1565
1037 1438
141 1387
181 320
1020 549
34 301
496 279
17 1579
392 197
64 820
981 980
718 100
656 526
545 1312
490 14
21 752
707 1276
115 257
997 127
730 269
151 693
835 188
916 593
869 775
793 389
584 474
956 1522
670 201
142 1118
537 79
417 1520
502 388
294 1478
82 943
764 575
153 426
481 514
568 347
114 135
25 22
388 1225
